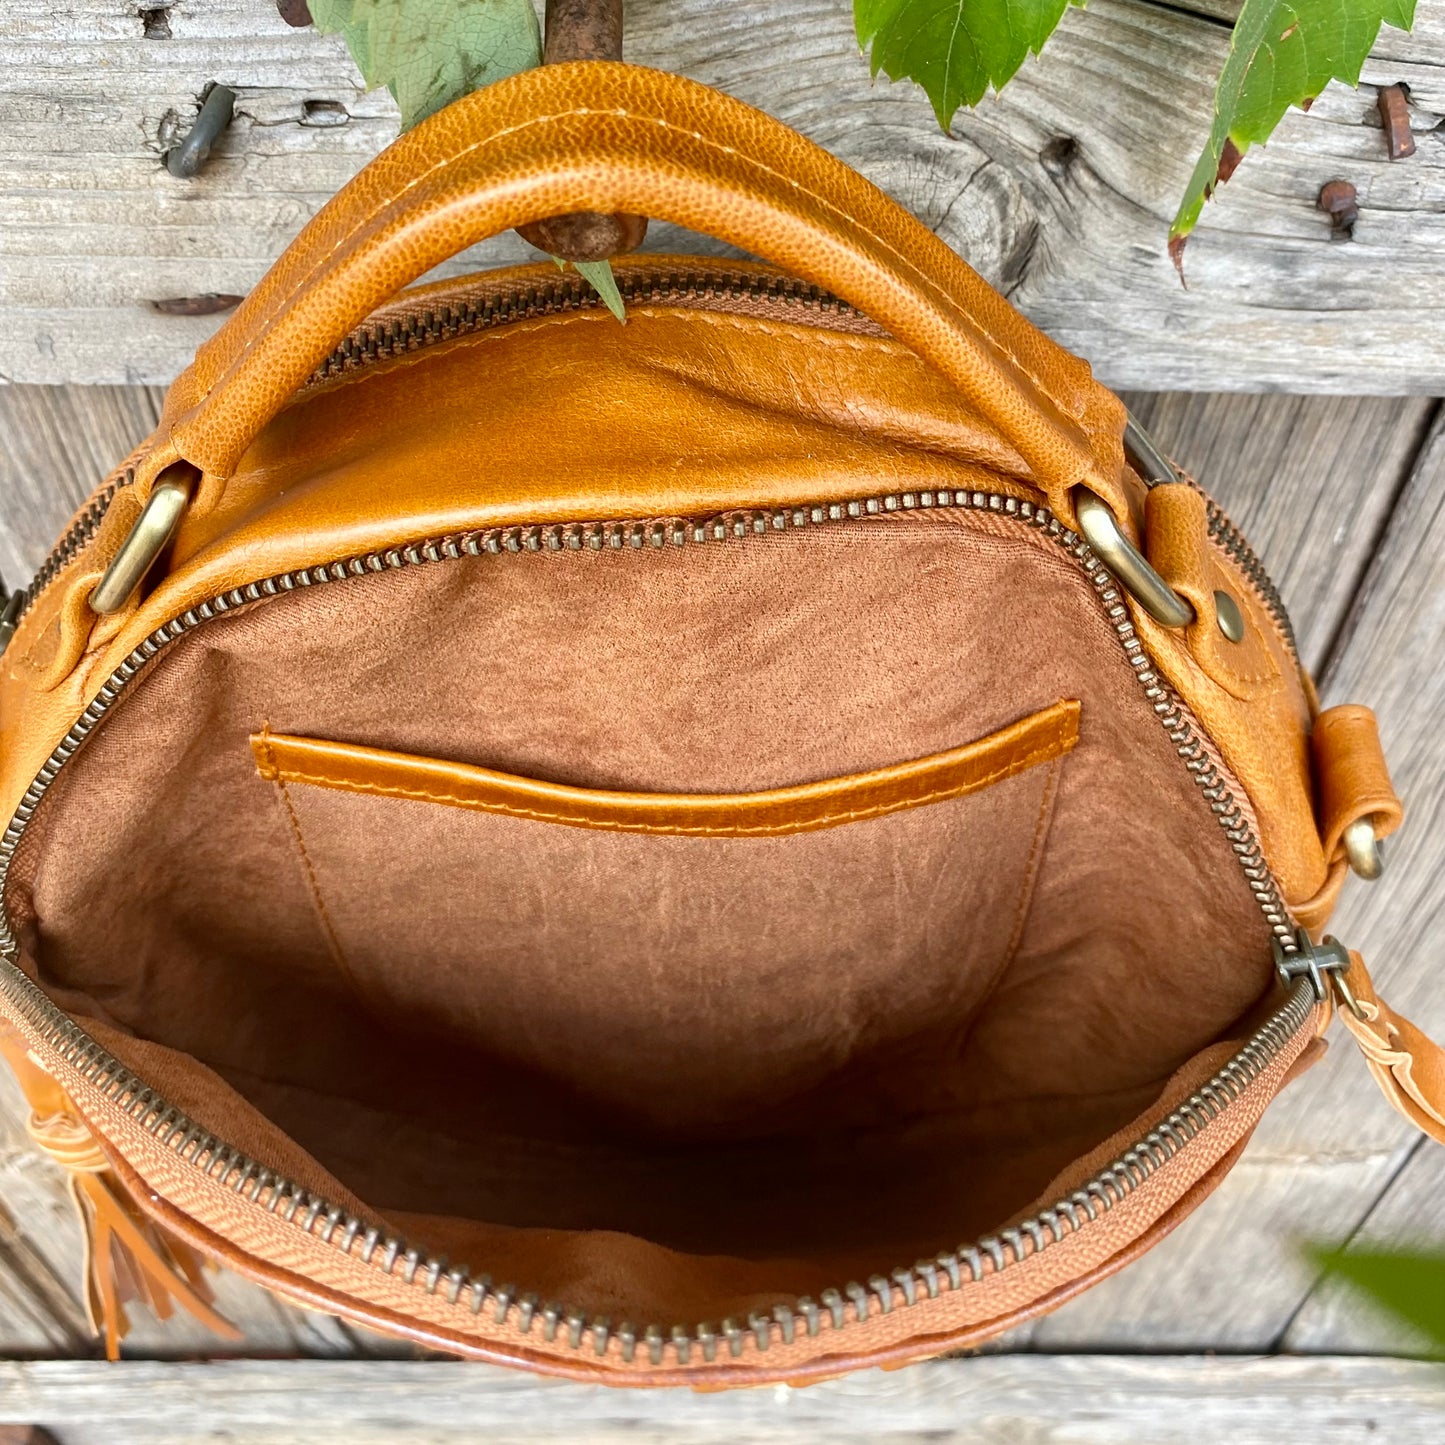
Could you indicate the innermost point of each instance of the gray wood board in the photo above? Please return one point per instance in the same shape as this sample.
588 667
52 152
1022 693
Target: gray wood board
42 1263
1409 1215
989 1400
1309 482
1060 191
57 444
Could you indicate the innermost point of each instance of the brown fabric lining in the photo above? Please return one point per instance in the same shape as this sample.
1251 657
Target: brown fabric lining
921 1019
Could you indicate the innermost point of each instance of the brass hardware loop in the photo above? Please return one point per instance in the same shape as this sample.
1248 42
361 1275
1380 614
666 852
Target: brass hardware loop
1363 850
153 530
1102 532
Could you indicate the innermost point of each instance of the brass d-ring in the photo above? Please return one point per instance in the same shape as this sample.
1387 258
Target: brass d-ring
153 530
1102 532
1146 457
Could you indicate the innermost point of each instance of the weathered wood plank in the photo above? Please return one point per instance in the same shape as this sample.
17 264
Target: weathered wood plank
1312 481
40 1251
1060 191
1061 1400
56 445
1329 1147
1232 1275
1407 1216
1389 656
41 1274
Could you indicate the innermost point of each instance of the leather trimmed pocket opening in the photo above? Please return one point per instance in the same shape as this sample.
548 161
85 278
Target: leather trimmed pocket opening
348 767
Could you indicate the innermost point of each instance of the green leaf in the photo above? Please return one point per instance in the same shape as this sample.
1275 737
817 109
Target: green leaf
429 53
954 49
1410 1286
1282 53
598 275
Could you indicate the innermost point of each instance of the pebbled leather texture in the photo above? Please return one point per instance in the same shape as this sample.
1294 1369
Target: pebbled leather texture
1252 696
1040 738
607 137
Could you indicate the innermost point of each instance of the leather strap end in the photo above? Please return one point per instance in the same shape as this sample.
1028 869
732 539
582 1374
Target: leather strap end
1352 779
1178 545
1408 1066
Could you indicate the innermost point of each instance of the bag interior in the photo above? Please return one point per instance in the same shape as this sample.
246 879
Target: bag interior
654 1073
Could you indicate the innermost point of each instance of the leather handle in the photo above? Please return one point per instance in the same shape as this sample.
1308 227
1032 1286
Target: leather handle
584 30
609 137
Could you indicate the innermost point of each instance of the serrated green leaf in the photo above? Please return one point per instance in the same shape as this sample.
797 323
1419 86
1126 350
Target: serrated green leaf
1410 1285
598 275
1282 53
429 53
954 49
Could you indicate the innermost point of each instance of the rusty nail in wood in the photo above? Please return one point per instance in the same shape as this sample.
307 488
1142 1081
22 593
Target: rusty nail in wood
1395 117
209 303
189 154
1338 200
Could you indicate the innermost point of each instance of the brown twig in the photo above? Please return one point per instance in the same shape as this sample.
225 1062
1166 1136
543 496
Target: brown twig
585 30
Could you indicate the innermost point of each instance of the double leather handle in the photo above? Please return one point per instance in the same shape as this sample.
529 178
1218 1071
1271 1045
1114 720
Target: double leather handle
608 137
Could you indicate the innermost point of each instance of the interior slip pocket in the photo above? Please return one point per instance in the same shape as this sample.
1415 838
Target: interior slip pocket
677 963
350 768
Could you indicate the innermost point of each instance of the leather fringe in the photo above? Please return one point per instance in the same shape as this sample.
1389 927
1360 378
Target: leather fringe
128 1257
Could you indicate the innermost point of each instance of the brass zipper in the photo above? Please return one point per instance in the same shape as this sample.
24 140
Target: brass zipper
834 1309
566 291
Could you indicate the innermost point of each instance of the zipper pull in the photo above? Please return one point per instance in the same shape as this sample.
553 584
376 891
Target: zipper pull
1408 1066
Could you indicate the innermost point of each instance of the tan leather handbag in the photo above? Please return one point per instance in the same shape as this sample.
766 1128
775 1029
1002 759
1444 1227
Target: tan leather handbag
715 849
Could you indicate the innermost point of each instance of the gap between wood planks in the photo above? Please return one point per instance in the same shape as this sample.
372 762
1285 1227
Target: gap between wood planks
95 230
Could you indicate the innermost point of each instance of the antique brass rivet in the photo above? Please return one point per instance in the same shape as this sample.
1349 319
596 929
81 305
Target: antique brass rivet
1229 617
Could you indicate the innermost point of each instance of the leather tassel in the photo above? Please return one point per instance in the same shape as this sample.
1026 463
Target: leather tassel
128 1257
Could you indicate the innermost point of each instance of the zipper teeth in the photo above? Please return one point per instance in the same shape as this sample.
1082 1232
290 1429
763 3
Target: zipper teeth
378 341
394 336
837 1307
80 531
854 1303
1223 531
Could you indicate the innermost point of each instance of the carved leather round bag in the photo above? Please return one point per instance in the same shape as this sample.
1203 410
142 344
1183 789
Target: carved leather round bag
777 836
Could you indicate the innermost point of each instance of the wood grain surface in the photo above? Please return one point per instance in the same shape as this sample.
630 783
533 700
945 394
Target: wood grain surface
991 1400
1060 191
